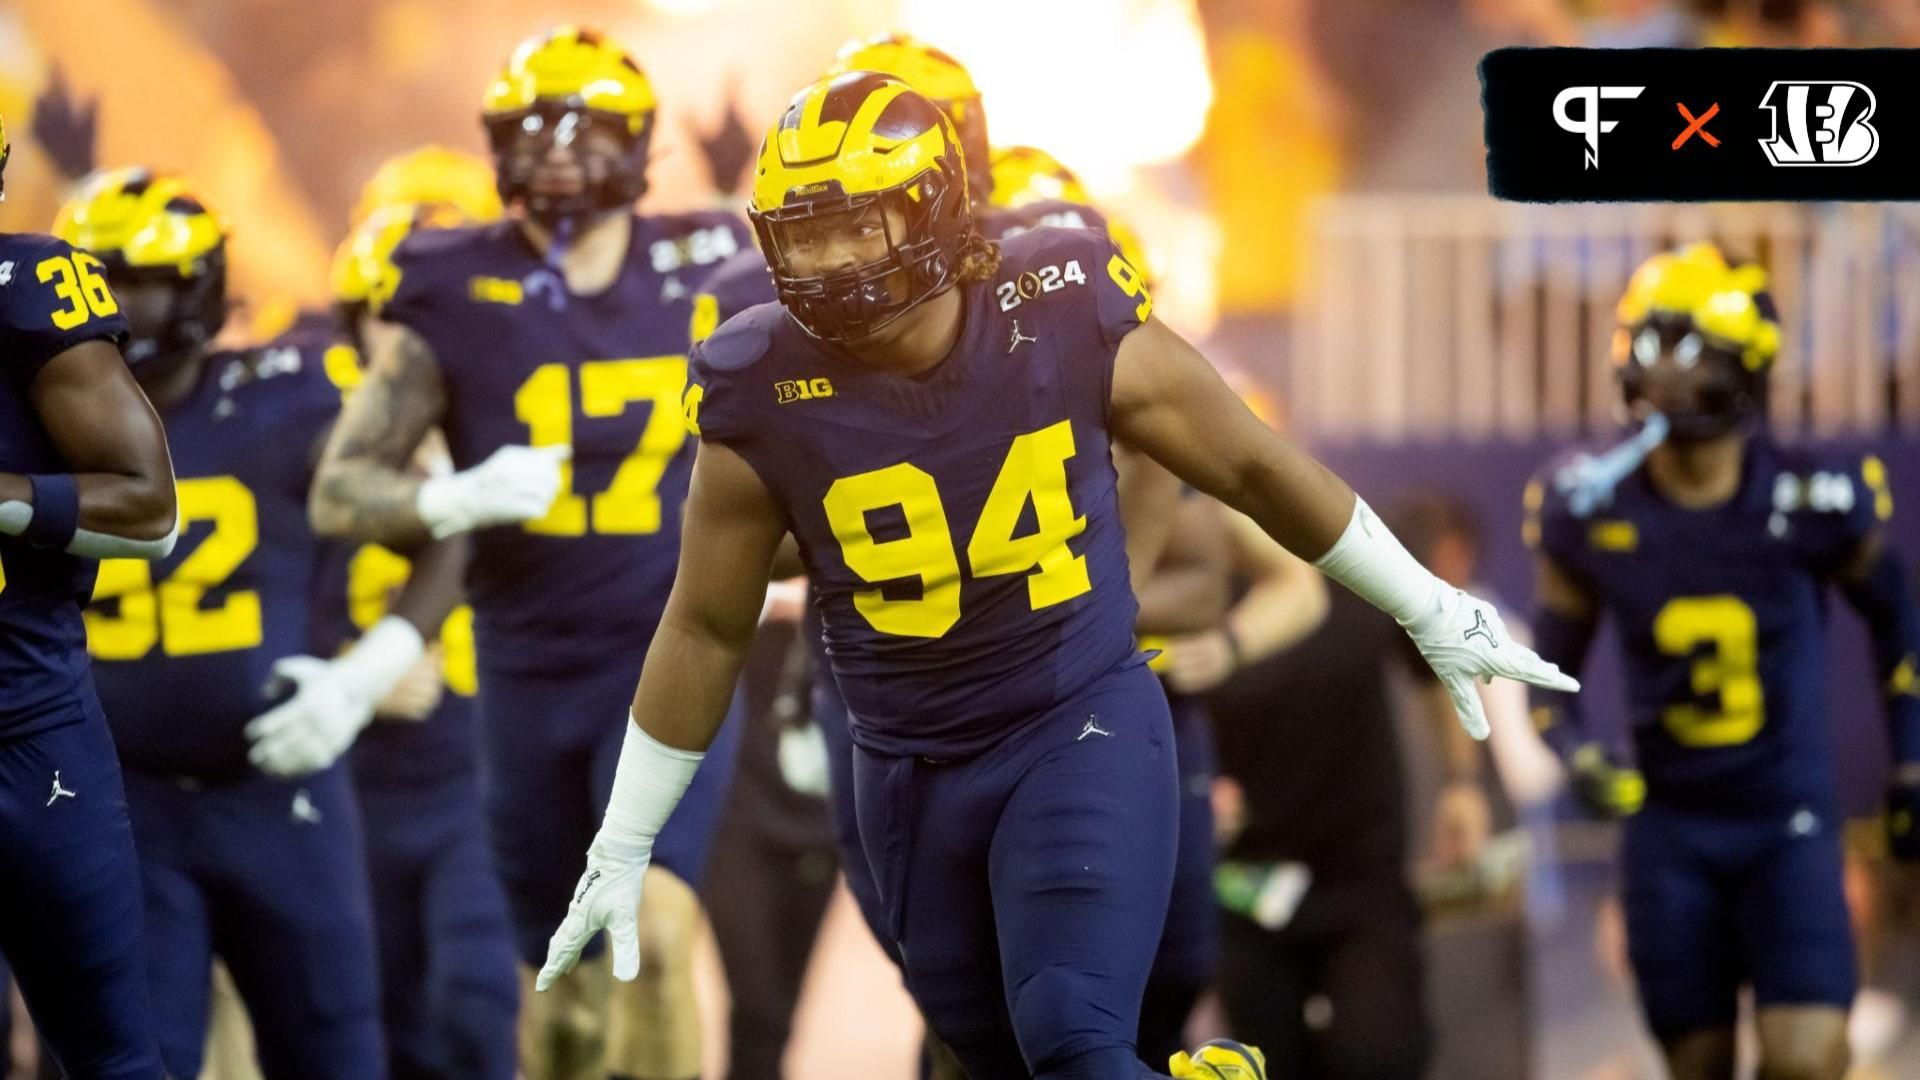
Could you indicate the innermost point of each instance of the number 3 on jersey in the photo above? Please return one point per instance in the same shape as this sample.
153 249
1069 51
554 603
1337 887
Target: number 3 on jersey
631 503
1730 672
1035 469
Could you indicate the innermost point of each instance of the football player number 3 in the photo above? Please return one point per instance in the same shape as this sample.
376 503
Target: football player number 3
1722 636
80 284
172 615
1035 471
631 503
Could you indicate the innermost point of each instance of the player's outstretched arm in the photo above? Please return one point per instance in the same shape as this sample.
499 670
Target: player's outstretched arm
1168 401
727 541
118 500
1565 619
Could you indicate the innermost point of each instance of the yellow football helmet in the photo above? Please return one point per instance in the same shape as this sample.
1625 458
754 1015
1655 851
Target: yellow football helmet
861 152
1028 174
152 227
557 88
938 77
363 272
1712 320
431 176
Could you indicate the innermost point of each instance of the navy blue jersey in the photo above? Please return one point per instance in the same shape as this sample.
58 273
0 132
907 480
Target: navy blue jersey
183 647
744 280
1720 615
51 299
960 529
525 362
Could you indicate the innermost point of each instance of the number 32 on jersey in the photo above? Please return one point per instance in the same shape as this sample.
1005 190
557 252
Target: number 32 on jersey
1035 470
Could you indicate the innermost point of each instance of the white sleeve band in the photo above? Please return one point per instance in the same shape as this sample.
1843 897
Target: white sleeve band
382 656
1370 560
647 785
88 544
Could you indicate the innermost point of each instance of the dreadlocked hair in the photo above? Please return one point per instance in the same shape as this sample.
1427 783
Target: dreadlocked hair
979 258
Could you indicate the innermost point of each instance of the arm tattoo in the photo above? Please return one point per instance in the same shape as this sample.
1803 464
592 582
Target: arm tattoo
364 488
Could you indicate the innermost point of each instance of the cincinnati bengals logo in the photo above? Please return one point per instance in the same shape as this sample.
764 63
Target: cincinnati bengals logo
1825 123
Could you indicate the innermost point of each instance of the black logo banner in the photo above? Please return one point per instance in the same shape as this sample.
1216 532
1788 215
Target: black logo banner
1618 125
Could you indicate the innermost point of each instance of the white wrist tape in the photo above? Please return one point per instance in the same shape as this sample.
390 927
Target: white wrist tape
88 544
1369 560
382 656
647 784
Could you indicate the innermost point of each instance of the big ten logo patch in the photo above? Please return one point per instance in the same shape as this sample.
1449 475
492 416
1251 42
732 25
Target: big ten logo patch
794 390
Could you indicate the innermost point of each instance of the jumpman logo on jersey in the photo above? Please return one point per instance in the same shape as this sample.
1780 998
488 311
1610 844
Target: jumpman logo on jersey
58 791
1480 627
304 812
1093 728
1019 337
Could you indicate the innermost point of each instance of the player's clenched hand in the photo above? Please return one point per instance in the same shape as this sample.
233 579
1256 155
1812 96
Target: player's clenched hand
1903 813
310 730
515 484
1605 785
607 898
1463 639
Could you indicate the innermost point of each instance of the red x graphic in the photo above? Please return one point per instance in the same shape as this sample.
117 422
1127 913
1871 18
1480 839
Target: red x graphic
1698 124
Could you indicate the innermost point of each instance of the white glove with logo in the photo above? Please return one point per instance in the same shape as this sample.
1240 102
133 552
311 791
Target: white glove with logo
647 785
515 484
1461 637
332 700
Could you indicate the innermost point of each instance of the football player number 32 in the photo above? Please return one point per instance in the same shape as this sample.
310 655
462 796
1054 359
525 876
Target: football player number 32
1722 636
1035 470
171 615
631 503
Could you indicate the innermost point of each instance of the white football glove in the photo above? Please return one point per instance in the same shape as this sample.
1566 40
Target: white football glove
332 700
1461 637
515 484
607 898
647 785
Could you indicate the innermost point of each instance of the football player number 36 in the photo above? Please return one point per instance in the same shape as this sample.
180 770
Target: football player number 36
1035 470
78 282
1722 636
631 503
172 615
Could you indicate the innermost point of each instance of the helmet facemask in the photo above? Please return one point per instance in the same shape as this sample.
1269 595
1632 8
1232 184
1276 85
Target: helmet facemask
922 226
611 158
1702 386
190 309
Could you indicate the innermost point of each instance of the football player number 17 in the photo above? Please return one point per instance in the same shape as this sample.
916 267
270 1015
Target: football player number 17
1035 470
1727 668
631 503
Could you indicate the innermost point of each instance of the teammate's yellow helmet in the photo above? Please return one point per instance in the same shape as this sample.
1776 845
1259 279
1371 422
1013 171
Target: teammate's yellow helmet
431 176
1028 174
556 87
937 76
363 271
153 227
861 150
1692 305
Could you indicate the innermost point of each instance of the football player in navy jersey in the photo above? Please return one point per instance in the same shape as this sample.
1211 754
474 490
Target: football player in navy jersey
448 992
247 830
84 475
551 349
1014 771
1711 546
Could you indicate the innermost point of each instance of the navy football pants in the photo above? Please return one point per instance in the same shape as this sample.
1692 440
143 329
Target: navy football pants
270 875
449 992
549 744
70 918
1027 887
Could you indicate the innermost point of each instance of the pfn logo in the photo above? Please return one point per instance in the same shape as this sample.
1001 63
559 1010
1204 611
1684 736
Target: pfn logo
1826 124
1589 125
